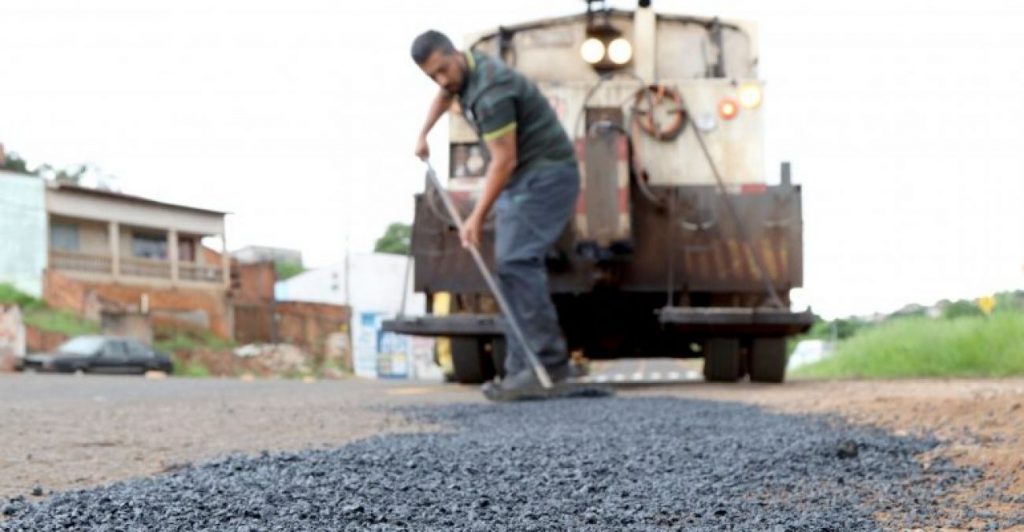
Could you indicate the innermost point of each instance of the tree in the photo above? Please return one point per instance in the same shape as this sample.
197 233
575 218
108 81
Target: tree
288 269
397 239
12 162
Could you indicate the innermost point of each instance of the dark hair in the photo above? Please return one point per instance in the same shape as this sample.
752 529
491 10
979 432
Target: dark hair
429 41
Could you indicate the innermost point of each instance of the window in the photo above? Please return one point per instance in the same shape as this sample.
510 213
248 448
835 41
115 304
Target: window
186 250
137 350
149 246
115 349
83 345
64 236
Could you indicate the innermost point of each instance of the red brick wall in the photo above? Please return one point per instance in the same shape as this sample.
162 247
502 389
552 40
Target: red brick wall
254 282
37 341
308 324
63 292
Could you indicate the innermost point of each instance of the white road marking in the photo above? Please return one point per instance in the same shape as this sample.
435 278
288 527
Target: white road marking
673 375
655 375
618 377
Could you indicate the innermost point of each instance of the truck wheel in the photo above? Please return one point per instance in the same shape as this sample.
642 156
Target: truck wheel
498 350
471 364
768 360
722 360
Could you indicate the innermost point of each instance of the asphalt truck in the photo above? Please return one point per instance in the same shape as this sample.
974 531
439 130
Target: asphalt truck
679 246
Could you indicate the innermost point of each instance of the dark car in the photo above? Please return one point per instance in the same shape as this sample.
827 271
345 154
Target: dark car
100 354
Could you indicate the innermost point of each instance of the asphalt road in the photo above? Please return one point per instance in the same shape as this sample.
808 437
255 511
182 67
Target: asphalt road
187 454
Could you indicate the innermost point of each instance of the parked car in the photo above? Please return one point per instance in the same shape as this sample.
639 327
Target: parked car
100 354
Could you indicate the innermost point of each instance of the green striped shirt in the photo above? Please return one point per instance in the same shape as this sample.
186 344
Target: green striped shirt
497 99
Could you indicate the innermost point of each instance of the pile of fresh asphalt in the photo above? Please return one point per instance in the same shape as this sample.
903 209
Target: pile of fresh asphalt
580 464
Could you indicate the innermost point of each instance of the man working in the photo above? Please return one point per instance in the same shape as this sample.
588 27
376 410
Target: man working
532 181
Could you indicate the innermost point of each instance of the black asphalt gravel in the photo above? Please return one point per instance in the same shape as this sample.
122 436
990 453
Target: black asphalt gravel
575 464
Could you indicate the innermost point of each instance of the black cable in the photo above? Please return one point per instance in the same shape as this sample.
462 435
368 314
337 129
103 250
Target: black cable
744 235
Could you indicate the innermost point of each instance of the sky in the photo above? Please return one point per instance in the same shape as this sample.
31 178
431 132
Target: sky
904 122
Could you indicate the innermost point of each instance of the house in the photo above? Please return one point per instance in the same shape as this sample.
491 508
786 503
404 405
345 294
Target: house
102 253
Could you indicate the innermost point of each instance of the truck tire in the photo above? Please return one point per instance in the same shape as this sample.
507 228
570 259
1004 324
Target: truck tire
722 360
470 363
498 350
768 360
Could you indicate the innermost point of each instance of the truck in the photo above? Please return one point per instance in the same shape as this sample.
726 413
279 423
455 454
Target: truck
679 247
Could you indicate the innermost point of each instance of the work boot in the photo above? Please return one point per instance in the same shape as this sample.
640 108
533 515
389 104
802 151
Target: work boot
566 372
520 386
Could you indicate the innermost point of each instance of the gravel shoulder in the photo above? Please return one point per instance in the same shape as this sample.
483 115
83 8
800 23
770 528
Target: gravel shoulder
65 432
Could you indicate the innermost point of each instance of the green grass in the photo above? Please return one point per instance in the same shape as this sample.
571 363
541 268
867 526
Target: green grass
36 314
965 346
174 341
190 368
9 295
179 342
60 321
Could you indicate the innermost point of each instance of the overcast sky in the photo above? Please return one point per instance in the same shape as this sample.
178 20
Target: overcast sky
904 121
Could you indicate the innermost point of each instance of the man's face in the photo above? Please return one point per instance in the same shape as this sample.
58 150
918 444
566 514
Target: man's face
445 70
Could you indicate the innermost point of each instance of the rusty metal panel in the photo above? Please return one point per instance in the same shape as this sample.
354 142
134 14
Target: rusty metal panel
442 265
602 214
704 248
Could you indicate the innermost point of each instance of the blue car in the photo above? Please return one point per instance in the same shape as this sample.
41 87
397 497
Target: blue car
100 354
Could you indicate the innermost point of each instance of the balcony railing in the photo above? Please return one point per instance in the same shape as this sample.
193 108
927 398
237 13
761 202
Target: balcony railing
80 262
200 272
70 261
136 267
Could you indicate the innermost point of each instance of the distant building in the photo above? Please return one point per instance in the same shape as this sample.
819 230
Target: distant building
372 285
254 254
96 252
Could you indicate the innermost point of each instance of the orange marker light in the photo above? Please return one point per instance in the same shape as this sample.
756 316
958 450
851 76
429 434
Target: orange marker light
728 108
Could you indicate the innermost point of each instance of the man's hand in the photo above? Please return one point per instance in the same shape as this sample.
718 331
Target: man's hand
471 230
422 149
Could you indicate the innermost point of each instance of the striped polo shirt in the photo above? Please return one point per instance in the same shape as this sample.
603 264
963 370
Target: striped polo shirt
496 99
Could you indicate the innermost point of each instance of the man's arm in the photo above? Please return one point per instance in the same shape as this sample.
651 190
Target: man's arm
442 102
503 161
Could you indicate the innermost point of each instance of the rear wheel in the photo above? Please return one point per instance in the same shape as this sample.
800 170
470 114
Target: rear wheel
768 360
472 363
722 361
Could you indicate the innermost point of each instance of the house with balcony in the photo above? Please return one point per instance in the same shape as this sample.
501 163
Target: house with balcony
100 252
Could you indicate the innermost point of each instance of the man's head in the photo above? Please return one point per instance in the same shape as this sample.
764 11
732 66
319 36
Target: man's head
437 57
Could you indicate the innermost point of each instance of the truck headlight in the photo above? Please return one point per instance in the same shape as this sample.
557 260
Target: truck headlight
620 51
592 50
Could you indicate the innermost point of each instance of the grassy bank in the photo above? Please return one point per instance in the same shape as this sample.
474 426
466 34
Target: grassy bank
966 346
36 314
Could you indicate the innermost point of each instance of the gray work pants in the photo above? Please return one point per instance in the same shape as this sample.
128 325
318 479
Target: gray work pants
531 214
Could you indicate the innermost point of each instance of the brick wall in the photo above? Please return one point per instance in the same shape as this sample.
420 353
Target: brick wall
253 283
38 341
307 325
62 292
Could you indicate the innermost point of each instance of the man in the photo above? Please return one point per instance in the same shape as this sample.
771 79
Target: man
532 180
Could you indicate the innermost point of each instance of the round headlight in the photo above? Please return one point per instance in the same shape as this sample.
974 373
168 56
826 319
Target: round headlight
620 51
750 95
592 50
